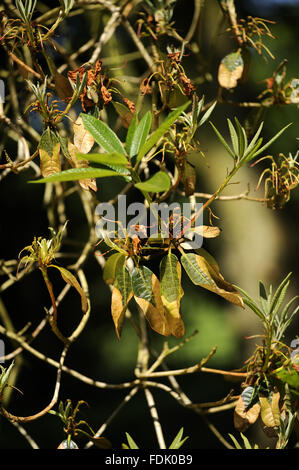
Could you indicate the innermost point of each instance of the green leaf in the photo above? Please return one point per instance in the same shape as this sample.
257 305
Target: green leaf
234 138
262 149
178 441
242 139
158 183
112 265
202 274
121 295
250 147
131 442
102 134
222 140
131 132
70 279
104 158
77 174
237 445
156 135
140 134
207 114
172 292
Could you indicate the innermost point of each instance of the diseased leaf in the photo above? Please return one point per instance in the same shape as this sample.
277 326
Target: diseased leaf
69 278
172 292
77 174
202 274
230 70
83 140
156 135
158 183
146 288
121 295
244 417
140 134
49 148
112 265
79 163
102 134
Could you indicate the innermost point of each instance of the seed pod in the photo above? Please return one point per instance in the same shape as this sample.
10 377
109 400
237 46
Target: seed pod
189 178
68 445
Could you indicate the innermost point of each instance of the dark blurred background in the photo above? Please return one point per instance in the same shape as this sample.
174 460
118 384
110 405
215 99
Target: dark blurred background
256 243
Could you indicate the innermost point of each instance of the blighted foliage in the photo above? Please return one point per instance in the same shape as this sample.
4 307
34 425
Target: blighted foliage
141 126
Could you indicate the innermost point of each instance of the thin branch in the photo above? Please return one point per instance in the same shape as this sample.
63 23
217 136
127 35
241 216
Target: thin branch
155 417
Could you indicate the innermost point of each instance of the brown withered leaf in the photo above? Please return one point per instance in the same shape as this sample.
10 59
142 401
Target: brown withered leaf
85 183
63 87
106 95
243 418
83 140
93 77
130 105
145 87
189 89
270 413
230 70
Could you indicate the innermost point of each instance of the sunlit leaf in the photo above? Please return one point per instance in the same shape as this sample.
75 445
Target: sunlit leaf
178 441
102 134
77 174
140 134
83 140
105 158
202 274
131 132
157 134
158 183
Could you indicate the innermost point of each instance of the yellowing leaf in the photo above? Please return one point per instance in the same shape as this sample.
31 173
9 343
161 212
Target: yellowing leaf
83 140
243 417
89 183
270 412
230 70
112 265
146 288
121 295
69 278
203 274
49 148
171 293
